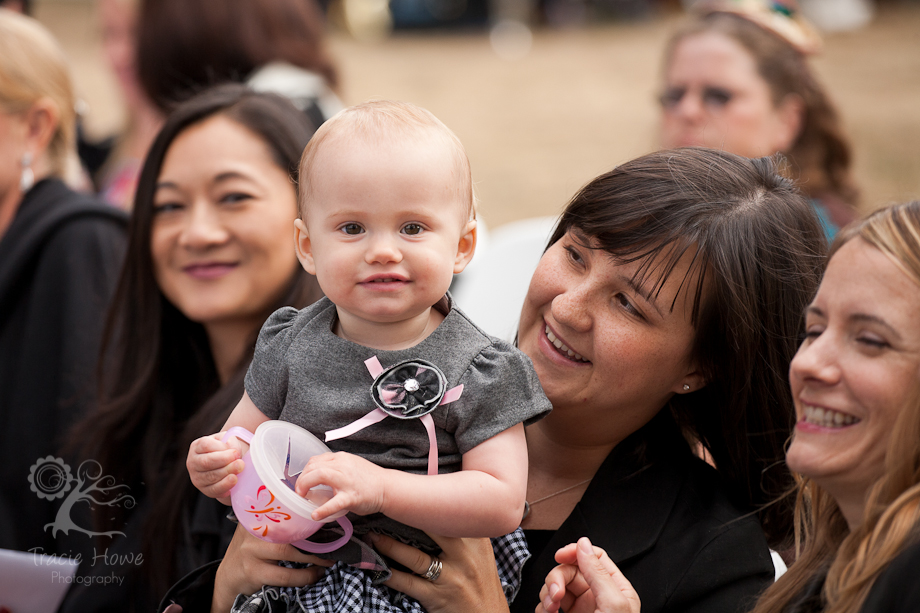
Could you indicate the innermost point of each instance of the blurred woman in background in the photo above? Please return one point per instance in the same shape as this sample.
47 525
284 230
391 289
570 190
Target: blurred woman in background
738 78
210 256
115 163
185 46
59 256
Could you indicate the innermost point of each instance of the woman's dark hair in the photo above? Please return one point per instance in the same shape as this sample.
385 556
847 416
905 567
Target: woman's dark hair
185 46
158 385
758 253
820 157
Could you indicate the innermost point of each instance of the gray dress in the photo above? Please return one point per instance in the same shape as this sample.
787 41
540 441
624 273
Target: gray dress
303 373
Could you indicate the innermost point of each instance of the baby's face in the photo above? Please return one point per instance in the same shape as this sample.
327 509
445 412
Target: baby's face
385 227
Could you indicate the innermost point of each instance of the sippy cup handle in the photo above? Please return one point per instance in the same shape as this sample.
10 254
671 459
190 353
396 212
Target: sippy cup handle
312 547
239 432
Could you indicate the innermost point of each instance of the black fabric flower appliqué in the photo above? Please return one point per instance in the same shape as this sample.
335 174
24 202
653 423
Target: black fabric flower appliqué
410 389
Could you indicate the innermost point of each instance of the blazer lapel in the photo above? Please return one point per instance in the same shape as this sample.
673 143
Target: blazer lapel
628 502
624 508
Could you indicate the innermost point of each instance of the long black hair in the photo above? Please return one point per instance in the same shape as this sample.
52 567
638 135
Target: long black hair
158 384
759 254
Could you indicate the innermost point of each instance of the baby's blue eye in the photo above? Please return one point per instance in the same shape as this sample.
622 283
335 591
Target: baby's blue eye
352 229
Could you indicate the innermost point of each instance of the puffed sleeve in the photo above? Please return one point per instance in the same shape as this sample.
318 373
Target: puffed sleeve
267 378
500 390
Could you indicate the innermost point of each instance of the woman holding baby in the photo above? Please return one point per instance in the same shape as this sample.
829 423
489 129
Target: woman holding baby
662 318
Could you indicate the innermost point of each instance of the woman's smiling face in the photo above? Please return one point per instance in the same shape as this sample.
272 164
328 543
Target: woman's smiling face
222 240
856 369
607 352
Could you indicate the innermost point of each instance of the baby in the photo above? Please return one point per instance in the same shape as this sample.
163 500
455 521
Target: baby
386 220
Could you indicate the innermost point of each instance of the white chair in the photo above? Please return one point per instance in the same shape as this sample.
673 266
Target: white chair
492 288
778 564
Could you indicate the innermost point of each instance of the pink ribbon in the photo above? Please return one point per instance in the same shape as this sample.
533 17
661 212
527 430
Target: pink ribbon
374 367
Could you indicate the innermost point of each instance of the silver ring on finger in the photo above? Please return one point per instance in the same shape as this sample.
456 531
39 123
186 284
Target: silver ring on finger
434 570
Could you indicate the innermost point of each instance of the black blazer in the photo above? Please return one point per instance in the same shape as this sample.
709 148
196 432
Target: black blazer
896 590
665 520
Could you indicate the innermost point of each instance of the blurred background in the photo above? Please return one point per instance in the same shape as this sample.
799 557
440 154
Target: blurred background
542 110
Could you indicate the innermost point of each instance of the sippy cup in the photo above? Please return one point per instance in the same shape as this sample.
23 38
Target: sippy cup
264 500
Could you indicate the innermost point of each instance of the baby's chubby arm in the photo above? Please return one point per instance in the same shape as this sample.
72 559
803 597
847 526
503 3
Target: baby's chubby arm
213 465
485 499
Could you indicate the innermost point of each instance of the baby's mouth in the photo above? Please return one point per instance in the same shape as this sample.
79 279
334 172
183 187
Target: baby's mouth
561 348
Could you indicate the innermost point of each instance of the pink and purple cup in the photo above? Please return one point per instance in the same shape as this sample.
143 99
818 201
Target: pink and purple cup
264 500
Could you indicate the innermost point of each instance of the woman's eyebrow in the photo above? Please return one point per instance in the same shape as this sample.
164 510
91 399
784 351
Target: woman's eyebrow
230 174
165 185
858 318
874 319
632 283
813 310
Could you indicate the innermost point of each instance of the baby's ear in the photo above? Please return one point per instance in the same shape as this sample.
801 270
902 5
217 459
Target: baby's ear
303 246
466 247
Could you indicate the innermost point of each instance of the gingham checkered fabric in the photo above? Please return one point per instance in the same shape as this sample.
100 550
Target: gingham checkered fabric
344 588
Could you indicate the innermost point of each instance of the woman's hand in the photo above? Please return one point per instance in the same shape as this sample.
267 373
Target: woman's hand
586 581
251 563
468 580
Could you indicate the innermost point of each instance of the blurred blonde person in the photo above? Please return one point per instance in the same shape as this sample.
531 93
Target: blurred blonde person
59 254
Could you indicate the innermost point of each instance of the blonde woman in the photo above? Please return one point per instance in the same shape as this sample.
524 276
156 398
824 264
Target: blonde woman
59 254
856 446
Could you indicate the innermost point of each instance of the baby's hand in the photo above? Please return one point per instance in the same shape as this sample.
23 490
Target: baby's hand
213 465
359 484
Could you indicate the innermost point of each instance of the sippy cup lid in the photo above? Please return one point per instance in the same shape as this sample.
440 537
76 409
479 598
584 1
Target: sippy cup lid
279 452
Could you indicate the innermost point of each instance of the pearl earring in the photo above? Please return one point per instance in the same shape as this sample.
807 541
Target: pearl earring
27 178
686 387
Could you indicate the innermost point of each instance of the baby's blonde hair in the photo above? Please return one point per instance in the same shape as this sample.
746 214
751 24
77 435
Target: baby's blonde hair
33 66
378 120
